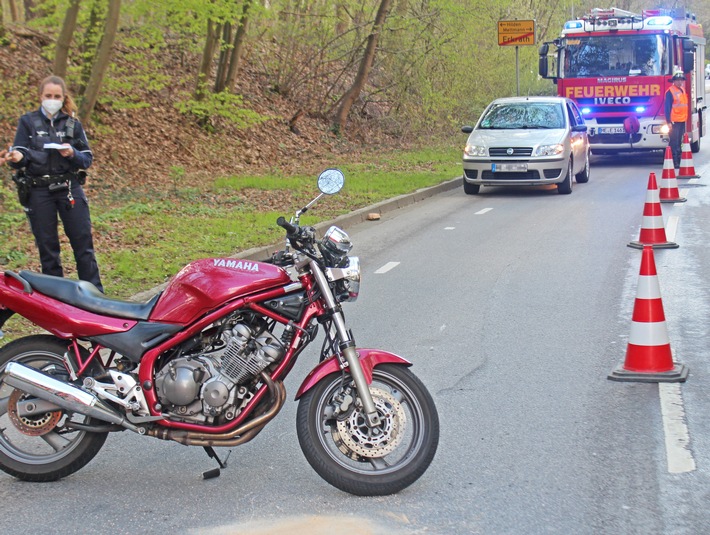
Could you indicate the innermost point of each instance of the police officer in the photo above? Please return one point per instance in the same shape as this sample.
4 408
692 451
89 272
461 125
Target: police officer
676 110
52 149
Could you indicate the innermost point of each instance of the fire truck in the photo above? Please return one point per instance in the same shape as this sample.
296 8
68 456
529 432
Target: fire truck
616 65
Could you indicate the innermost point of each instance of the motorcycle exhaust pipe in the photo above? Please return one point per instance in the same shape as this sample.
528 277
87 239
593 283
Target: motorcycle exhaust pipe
63 395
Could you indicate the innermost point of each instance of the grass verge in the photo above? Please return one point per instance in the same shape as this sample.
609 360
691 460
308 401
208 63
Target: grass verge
142 238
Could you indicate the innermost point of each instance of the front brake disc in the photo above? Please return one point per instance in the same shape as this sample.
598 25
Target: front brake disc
356 439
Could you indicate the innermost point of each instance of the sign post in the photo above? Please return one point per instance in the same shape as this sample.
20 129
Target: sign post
516 33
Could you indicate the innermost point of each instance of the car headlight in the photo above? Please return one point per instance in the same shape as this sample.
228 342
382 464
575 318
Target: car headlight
549 150
473 151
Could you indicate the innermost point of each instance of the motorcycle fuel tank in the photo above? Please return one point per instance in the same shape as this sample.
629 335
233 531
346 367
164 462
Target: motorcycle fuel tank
205 284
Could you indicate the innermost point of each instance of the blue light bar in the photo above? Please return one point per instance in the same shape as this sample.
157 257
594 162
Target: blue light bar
585 111
573 25
640 109
659 21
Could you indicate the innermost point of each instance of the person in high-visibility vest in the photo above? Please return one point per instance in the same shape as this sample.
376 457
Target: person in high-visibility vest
676 109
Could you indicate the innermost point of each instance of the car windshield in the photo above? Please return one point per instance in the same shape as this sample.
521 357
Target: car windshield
521 115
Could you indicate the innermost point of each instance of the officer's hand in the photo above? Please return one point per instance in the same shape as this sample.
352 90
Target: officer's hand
10 156
68 152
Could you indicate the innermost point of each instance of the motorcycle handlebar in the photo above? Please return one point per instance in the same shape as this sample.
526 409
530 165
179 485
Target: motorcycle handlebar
291 230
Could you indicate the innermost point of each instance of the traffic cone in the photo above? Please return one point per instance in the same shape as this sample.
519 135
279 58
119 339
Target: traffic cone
687 169
669 185
653 232
648 354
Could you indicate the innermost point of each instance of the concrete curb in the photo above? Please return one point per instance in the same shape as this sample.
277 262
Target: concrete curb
344 221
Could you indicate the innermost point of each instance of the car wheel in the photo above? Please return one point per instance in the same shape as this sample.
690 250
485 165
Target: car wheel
583 176
471 189
565 187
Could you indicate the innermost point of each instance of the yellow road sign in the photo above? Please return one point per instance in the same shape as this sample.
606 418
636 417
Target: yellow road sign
516 32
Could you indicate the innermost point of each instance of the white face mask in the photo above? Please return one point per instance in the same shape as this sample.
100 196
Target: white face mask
52 106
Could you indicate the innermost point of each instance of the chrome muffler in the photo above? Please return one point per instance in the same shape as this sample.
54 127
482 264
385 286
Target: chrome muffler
61 394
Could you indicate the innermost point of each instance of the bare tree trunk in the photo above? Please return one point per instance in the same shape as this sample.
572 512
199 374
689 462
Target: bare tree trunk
207 55
101 62
238 45
90 44
224 55
29 9
363 73
61 53
14 11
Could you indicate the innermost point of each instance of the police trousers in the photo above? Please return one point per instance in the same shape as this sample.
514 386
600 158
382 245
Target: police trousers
43 208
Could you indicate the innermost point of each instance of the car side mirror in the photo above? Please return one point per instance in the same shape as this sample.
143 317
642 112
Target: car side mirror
579 128
467 129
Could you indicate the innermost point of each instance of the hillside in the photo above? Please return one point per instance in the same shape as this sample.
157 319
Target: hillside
147 148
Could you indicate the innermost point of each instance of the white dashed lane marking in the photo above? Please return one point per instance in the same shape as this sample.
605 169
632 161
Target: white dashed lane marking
678 455
388 266
485 210
672 227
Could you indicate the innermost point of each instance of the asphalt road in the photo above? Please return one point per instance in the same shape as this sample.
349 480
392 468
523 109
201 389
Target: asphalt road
514 306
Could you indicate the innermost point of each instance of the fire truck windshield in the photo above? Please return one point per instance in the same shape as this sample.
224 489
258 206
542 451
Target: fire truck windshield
614 55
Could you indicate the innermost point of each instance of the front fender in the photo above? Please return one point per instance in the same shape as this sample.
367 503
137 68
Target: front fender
369 358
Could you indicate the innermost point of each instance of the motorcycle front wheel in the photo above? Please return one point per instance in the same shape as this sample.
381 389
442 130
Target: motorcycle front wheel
360 460
41 446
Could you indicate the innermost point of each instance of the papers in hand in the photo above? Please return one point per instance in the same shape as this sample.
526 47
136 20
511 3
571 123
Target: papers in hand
54 146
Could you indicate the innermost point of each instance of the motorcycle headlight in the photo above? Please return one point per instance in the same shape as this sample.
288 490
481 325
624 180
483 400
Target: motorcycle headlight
347 279
337 242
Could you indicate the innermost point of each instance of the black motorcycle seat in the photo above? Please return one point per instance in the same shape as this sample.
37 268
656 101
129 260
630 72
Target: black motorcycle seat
86 296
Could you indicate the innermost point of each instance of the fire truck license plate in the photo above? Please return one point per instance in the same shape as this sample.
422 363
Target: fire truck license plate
508 167
612 130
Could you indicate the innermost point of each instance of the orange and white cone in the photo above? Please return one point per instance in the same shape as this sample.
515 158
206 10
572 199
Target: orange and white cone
648 354
687 169
653 232
669 184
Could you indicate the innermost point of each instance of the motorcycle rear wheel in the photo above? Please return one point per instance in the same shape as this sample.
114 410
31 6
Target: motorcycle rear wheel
41 447
362 461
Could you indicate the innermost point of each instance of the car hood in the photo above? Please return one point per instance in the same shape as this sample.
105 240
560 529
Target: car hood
516 138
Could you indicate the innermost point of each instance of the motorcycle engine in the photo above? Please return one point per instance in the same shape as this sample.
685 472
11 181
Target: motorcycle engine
207 384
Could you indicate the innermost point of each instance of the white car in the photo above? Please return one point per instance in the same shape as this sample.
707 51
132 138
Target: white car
524 141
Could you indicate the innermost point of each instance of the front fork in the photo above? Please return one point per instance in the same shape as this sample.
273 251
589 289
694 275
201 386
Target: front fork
347 346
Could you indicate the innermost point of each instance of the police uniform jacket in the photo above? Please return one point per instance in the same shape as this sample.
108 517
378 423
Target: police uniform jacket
35 129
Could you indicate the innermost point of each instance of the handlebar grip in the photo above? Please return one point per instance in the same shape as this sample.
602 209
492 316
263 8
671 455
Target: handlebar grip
291 230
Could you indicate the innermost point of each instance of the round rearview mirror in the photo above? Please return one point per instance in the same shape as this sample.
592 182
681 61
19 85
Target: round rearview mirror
331 181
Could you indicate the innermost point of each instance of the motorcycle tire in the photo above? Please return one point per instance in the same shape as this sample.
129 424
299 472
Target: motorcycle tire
349 455
41 447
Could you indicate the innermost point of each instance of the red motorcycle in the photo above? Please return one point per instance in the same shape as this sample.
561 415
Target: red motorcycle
203 363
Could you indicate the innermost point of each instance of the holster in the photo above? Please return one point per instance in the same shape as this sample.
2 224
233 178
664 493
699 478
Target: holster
24 187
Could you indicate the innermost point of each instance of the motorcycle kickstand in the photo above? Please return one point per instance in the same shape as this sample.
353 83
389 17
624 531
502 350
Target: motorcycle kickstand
215 472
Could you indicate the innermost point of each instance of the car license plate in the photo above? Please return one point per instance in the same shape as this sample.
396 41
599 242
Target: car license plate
612 130
508 167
